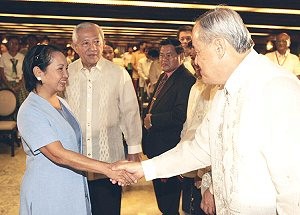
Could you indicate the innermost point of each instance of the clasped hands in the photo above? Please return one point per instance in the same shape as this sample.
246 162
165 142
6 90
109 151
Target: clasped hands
125 172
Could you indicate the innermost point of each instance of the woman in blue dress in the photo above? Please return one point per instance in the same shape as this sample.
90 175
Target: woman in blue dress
54 182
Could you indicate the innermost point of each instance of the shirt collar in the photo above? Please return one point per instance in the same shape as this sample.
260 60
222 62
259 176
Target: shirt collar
240 74
285 54
98 65
171 73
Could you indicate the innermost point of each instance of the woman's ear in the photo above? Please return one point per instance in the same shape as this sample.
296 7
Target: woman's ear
37 73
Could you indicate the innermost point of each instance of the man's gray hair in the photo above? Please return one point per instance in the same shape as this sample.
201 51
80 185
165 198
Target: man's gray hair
225 23
85 25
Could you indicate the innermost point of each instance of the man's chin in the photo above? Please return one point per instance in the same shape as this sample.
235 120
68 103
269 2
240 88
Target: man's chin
93 62
206 80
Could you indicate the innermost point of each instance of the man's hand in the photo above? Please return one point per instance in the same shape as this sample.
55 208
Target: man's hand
132 168
208 203
147 121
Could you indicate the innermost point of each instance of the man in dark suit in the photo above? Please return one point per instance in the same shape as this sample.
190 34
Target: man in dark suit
164 119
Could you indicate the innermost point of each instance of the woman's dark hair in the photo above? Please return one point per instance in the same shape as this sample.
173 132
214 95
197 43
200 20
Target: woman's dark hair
40 56
109 44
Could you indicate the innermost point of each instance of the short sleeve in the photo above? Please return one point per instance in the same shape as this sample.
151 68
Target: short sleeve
35 129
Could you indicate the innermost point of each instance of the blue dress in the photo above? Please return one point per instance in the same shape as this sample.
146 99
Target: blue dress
48 188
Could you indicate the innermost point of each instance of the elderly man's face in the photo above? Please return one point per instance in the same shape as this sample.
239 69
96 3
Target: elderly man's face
89 46
168 58
282 43
206 59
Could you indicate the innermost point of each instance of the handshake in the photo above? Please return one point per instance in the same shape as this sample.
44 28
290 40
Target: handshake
125 172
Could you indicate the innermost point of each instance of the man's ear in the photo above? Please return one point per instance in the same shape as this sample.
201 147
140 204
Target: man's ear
220 47
181 57
288 42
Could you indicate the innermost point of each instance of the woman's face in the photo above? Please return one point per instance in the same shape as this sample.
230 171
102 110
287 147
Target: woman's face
55 77
108 53
3 49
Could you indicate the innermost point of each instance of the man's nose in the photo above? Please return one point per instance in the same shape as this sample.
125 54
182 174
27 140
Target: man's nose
93 46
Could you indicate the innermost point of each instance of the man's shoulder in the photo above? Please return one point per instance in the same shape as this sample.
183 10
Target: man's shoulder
75 62
183 76
136 52
186 73
74 65
293 56
5 55
142 60
111 65
20 55
270 53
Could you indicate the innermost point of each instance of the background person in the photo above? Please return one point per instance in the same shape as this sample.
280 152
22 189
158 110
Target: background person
143 68
184 35
136 56
3 49
30 40
45 40
164 118
70 54
199 102
154 70
109 54
127 60
108 51
283 57
54 181
102 97
11 69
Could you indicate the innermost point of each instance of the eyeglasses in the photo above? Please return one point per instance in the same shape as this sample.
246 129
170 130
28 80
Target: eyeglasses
87 43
